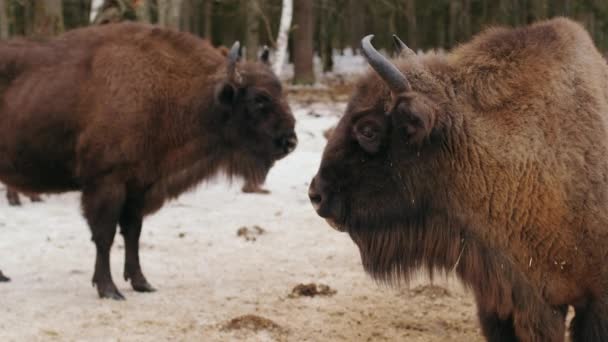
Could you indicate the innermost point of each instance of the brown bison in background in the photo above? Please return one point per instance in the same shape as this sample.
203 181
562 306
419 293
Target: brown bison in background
133 115
490 161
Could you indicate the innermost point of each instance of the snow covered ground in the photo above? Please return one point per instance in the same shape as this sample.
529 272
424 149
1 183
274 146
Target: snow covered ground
207 276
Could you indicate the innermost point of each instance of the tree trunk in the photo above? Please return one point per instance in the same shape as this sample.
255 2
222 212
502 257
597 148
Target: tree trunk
252 34
303 43
46 17
283 36
356 13
207 19
4 24
168 13
114 11
143 10
186 15
76 13
326 35
410 17
95 9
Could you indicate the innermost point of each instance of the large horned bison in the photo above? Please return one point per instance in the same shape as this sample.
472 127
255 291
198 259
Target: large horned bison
133 115
490 161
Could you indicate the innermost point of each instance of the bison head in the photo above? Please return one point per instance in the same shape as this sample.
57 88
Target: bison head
378 175
257 123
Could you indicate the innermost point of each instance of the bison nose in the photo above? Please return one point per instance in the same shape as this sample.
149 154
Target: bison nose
316 198
287 143
291 143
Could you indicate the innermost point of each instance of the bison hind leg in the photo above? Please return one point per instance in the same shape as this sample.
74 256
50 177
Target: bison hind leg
130 228
590 323
4 278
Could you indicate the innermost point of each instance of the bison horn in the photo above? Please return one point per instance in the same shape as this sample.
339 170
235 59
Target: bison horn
402 49
233 58
396 81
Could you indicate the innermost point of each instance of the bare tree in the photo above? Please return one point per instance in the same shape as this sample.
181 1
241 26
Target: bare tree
113 11
4 24
303 42
252 34
284 27
143 10
46 17
410 17
169 13
207 19
327 23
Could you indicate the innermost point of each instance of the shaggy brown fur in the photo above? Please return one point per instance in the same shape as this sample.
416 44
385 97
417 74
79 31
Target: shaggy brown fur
495 166
133 115
12 196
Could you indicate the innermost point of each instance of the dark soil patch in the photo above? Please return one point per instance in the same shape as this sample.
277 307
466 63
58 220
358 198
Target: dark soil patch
253 323
431 291
250 234
311 290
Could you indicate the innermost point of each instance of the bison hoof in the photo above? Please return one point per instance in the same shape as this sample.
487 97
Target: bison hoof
143 287
111 294
109 291
4 278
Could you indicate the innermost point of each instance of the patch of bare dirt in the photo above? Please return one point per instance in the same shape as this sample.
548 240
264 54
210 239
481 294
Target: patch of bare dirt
248 324
250 234
430 291
312 290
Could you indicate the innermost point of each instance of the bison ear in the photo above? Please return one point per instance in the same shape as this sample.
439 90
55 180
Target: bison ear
225 94
414 118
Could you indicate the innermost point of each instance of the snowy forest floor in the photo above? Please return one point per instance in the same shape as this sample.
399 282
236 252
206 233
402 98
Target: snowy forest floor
215 284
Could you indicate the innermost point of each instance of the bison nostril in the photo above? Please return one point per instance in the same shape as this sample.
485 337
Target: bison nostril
291 143
315 198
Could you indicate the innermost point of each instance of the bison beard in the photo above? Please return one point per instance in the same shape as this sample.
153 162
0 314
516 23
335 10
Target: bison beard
490 162
133 115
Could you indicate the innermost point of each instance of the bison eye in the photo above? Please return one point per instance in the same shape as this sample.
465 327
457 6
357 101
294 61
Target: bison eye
261 100
367 134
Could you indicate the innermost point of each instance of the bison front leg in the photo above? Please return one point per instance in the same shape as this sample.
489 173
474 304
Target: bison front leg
12 197
130 228
102 205
540 322
3 277
496 329
590 323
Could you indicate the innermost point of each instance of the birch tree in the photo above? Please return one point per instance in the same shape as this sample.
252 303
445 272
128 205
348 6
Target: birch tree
284 27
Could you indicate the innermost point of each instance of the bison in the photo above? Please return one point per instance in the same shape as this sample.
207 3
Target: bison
132 115
490 161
